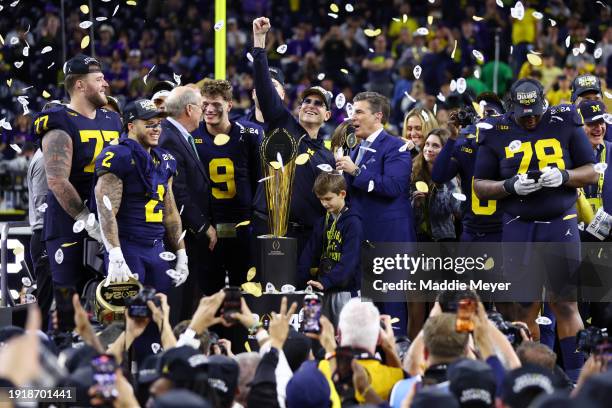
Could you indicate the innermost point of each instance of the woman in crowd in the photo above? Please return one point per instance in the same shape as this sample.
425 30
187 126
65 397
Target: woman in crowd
417 124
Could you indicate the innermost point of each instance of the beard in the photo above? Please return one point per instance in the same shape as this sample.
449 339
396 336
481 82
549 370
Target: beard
96 99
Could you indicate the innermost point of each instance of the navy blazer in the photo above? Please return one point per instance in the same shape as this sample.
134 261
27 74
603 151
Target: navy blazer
386 212
191 185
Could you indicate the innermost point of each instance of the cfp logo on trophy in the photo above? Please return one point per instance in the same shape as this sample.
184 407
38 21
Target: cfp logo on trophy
276 245
276 248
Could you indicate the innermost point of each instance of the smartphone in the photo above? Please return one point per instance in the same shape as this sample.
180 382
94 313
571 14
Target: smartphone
104 377
534 174
312 314
465 310
231 303
63 306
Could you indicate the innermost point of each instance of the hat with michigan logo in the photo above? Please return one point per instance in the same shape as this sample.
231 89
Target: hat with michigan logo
142 109
592 111
585 83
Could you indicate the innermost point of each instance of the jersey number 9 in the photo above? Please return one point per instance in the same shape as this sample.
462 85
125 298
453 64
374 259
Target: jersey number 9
227 178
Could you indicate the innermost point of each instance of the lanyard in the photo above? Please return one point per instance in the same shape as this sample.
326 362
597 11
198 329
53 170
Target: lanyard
597 202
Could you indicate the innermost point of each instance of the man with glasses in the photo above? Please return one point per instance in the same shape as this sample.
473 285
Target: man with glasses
136 204
313 112
191 188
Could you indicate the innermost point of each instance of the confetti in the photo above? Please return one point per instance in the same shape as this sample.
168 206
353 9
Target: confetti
59 256
582 48
552 22
46 94
371 49
607 117
68 244
459 196
23 100
251 273
325 167
404 18
78 226
349 8
371 186
282 49
349 110
334 7
264 179
1 39
26 51
543 320
600 168
252 288
453 85
344 71
340 100
4 124
181 210
107 203
484 125
130 3
489 264
18 64
422 31
515 146
321 76
219 25
425 116
85 24
500 3
534 59
84 9
597 53
115 10
430 20
454 49
478 55
422 187
14 40
590 40
511 49
275 165
397 20
85 42
477 18
537 15
575 51
441 97
279 159
181 237
608 94
302 159
403 148
410 98
52 64
477 73
16 148
249 56
42 208
518 11
417 71
461 85
155 347
369 32
46 49
101 18
167 256
177 78
26 281
332 15
91 220
568 39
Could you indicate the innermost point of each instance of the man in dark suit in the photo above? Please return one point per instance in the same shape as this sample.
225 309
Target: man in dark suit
378 174
191 190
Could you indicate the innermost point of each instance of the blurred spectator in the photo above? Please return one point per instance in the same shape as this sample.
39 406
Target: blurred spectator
561 91
378 64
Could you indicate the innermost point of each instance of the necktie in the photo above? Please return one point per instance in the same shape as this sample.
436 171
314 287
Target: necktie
362 149
192 143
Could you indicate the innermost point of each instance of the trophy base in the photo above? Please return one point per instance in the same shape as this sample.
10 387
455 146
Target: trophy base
277 260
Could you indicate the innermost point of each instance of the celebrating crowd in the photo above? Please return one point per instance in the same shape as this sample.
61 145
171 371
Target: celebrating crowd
156 187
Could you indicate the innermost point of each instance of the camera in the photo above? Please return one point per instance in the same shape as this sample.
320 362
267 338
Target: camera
591 339
465 117
137 306
510 330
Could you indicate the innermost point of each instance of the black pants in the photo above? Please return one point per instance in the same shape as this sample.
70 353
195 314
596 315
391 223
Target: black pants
42 273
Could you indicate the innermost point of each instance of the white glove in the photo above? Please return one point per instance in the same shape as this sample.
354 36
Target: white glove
552 177
521 185
118 269
93 230
181 270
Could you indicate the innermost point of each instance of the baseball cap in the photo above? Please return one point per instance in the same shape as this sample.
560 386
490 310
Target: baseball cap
585 83
277 74
296 348
527 98
141 109
472 382
180 398
223 374
592 111
160 94
434 397
181 364
317 90
308 387
522 385
82 64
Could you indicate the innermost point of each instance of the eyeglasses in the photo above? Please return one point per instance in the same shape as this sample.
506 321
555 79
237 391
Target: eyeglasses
153 126
315 102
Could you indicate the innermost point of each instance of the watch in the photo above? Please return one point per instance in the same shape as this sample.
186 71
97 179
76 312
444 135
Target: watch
357 172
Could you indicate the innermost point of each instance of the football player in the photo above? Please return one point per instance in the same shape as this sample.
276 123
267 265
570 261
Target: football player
532 160
229 151
588 87
73 136
136 205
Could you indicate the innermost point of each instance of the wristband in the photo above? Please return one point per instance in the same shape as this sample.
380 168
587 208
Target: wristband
357 172
565 175
509 185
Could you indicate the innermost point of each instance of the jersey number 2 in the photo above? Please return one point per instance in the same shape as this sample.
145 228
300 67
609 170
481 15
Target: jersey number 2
227 178
100 136
150 214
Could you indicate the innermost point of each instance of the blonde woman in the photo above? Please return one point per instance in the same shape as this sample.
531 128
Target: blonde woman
417 124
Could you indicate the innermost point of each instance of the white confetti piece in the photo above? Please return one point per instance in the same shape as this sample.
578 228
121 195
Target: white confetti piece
101 18
511 49
349 8
435 109
25 281
552 22
422 31
575 51
500 3
16 148
484 125
404 18
107 203
325 167
477 73
417 71
167 256
340 100
537 15
518 11
371 49
26 51
478 55
219 25
332 15
597 53
590 40
477 18
14 41
607 117
608 94
249 56
568 40
148 73
18 64
321 76
279 159
281 49
264 179
441 97
349 110
42 208
52 64
515 146
155 347
115 11
582 48
46 49
600 168
543 320
459 196
78 226
91 220
85 24
425 116
371 186
410 97
461 85
59 256
177 78
23 100
403 148
453 85
181 237
369 149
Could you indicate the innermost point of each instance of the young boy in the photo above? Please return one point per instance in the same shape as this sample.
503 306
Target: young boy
330 261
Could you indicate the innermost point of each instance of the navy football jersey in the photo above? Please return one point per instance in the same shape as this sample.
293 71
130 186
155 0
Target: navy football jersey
89 137
234 169
507 150
145 183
